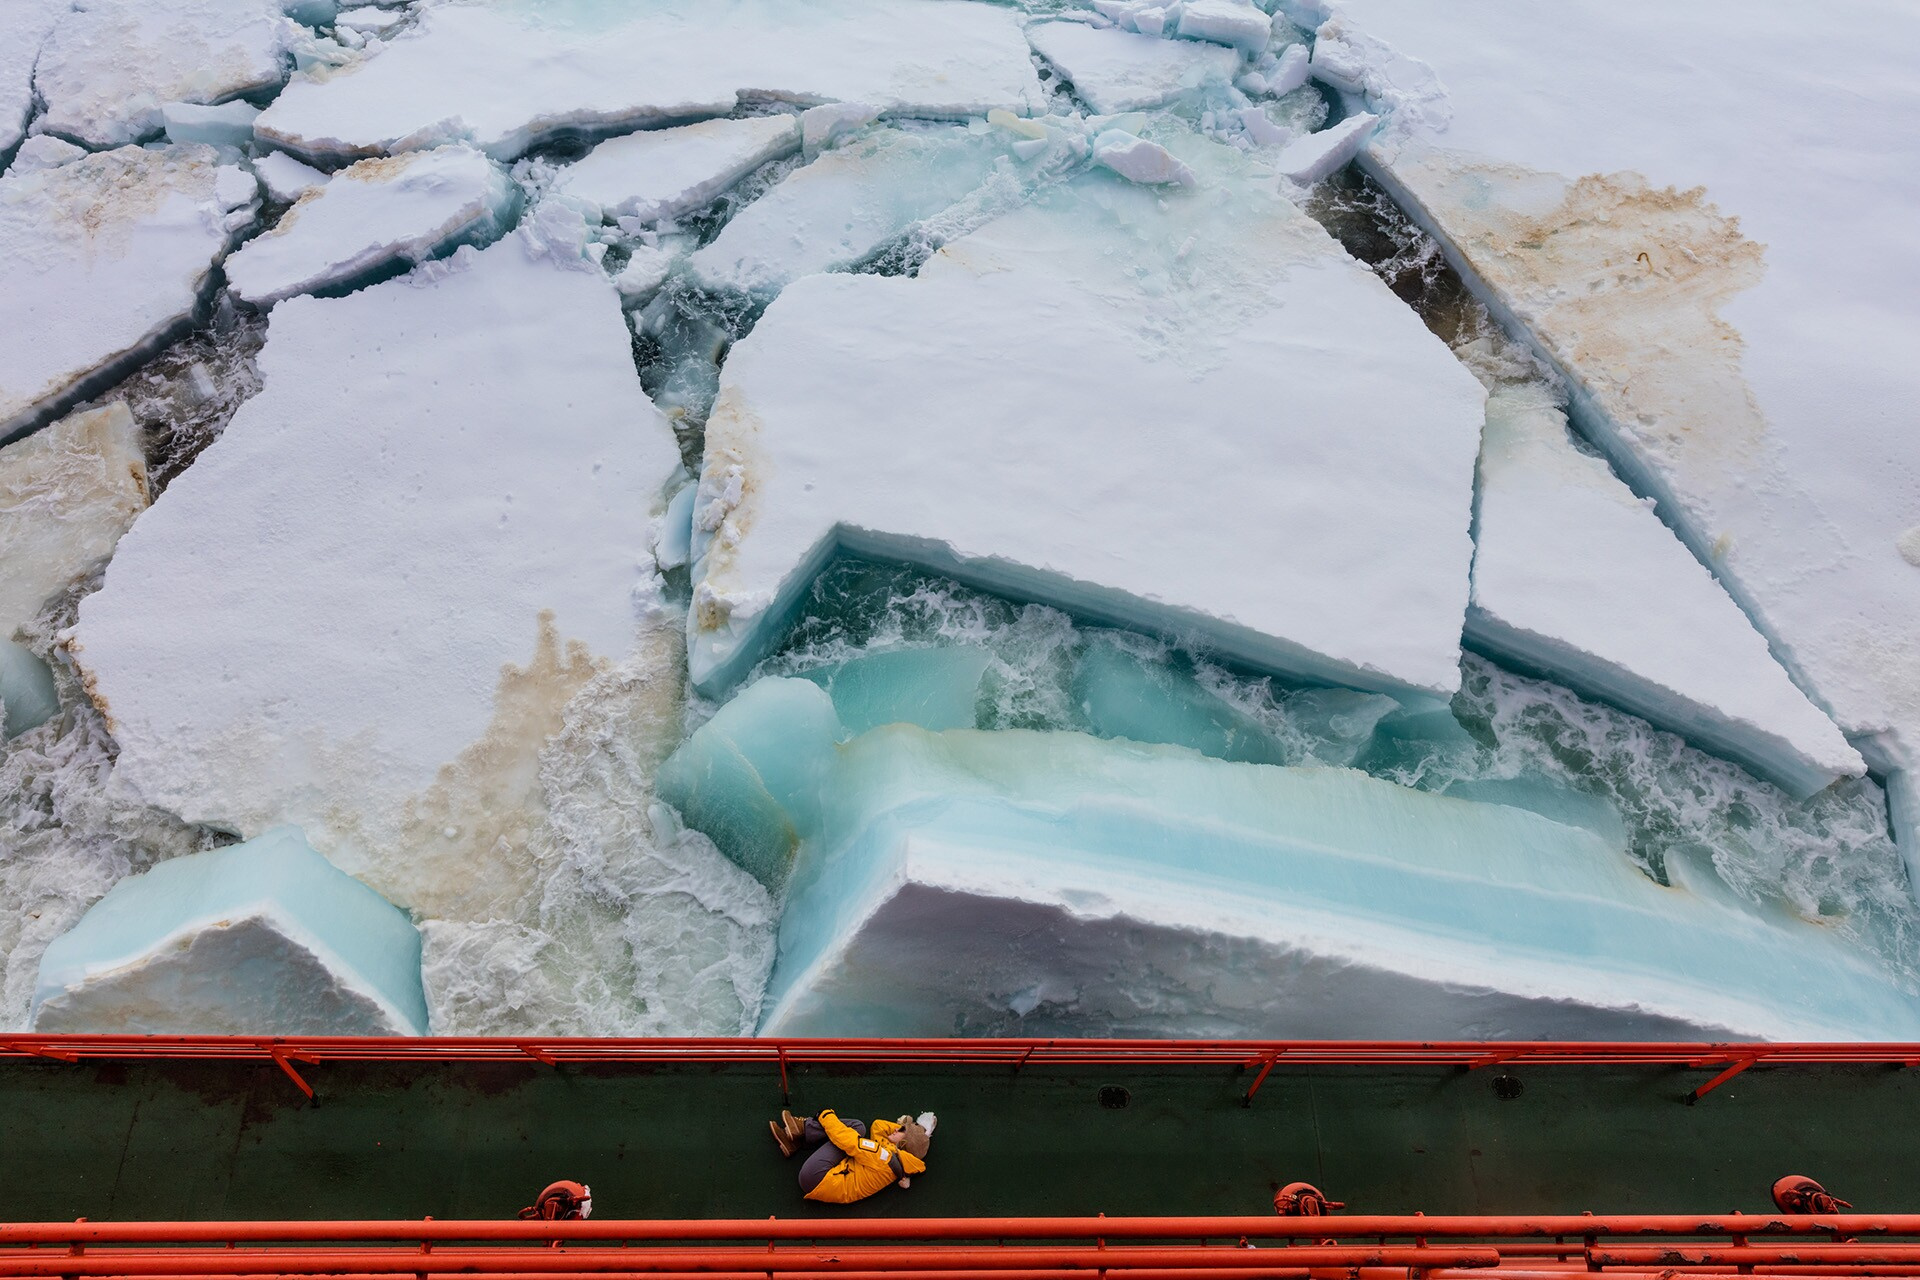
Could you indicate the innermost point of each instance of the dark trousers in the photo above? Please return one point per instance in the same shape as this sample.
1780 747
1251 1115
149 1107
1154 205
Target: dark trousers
825 1155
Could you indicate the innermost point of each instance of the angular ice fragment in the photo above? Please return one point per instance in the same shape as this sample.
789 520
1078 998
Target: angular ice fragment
228 125
372 216
44 151
935 688
1115 889
368 19
843 207
1239 23
646 270
67 493
1576 577
335 601
663 173
28 698
1121 695
24 26
261 938
825 124
110 65
933 419
1115 71
752 777
673 547
1317 155
506 76
1292 71
1138 160
287 179
105 257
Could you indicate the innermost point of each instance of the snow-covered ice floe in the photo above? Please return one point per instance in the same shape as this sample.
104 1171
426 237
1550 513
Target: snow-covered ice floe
843 207
24 27
1569 564
1733 303
110 66
1182 409
105 257
1114 71
504 75
285 178
662 173
1021 882
372 216
261 938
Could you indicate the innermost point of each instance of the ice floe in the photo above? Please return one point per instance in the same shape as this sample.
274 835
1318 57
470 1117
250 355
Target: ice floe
230 124
504 76
105 257
24 26
1061 405
1720 301
376 215
110 66
1307 160
845 206
261 938
663 173
1567 564
1114 71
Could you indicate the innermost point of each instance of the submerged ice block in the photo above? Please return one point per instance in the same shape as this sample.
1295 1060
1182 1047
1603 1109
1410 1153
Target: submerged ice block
1025 883
28 698
505 76
1114 71
105 257
261 938
663 173
935 688
1575 576
1180 409
372 216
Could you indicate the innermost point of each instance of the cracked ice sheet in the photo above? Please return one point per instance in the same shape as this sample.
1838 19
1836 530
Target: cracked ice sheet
1115 71
442 475
663 173
111 65
105 257
1756 378
504 75
1187 410
404 208
1566 563
24 26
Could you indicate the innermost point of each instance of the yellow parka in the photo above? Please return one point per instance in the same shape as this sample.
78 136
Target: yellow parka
871 1163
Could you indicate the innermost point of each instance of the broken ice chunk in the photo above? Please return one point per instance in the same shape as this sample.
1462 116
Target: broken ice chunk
646 270
1239 23
67 493
368 19
24 26
672 548
663 173
287 179
1291 72
506 76
105 257
44 151
922 419
110 64
228 125
1576 577
822 126
953 872
1115 71
261 938
1138 160
371 216
935 688
843 207
1120 695
1317 155
28 698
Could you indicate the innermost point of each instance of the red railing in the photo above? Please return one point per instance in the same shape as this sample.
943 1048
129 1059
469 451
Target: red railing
1530 1247
1260 1056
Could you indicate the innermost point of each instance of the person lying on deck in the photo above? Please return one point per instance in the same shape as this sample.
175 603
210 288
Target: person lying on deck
849 1161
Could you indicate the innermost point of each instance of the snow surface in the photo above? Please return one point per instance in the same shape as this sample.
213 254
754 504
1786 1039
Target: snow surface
67 493
24 27
1114 71
111 65
1566 563
261 938
663 173
70 299
1754 375
293 633
1018 882
372 215
1061 405
504 75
